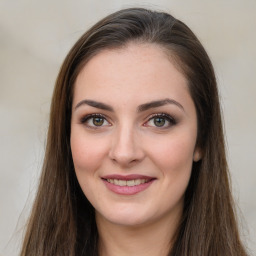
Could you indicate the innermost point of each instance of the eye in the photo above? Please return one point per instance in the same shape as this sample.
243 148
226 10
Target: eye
160 121
95 121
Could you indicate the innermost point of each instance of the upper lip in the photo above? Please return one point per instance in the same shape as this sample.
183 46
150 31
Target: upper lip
126 177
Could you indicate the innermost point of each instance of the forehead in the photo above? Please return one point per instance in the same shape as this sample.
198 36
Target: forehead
136 69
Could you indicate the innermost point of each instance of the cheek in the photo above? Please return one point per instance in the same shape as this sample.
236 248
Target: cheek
87 153
174 156
87 156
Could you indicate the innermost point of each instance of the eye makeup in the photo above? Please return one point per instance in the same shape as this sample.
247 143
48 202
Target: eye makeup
160 120
156 120
95 121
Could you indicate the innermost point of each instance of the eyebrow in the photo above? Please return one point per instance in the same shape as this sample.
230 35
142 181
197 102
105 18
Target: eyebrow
95 104
158 103
141 108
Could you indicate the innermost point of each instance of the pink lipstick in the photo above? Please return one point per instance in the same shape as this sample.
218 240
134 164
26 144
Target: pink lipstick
127 185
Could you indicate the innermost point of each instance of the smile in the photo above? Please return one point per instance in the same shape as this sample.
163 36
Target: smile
129 183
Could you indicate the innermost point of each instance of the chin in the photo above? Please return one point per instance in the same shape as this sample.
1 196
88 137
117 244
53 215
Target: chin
129 221
129 218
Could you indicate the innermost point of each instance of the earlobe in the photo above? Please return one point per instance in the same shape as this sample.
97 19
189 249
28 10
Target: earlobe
197 155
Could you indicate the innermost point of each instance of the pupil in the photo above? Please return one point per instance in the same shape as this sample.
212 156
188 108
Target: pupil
158 121
98 121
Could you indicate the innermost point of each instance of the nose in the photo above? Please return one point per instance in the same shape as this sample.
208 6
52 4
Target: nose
126 148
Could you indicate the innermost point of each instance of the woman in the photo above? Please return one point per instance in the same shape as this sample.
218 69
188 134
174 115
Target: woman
135 160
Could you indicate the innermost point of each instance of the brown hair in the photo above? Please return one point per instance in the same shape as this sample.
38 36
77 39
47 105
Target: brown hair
62 220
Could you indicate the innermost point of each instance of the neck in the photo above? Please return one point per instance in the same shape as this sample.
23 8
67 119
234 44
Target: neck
149 240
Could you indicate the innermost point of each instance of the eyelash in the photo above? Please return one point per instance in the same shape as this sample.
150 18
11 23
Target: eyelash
86 119
166 117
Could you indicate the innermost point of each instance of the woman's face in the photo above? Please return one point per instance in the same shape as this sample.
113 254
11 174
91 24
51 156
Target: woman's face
133 135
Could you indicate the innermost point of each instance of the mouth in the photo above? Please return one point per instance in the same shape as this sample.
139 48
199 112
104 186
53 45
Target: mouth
127 185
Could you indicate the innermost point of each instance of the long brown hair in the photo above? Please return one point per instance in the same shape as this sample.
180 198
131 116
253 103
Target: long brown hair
62 220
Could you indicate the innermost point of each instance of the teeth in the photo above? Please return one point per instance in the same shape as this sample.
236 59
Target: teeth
129 183
137 182
122 182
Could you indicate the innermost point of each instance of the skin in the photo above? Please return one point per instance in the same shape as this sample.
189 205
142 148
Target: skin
127 141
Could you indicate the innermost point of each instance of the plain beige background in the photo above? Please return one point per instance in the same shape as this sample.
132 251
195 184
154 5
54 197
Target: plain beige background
34 39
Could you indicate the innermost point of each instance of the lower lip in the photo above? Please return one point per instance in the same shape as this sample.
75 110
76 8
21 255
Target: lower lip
126 190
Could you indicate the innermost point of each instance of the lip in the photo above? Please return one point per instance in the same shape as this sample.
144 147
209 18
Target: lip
127 190
127 177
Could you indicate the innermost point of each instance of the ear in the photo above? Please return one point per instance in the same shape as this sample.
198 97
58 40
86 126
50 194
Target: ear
197 154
